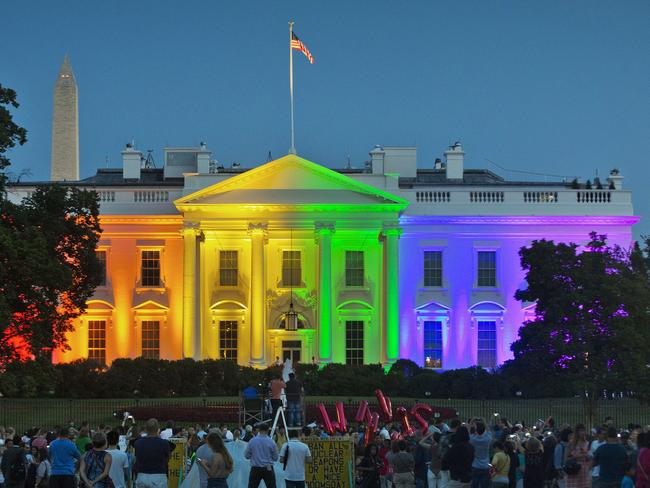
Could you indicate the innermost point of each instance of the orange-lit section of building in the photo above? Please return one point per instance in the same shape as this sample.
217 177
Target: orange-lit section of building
124 302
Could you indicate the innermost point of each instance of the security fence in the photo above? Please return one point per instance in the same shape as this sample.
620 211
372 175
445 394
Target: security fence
48 413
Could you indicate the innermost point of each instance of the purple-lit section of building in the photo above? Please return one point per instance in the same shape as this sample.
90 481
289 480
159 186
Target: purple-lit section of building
477 318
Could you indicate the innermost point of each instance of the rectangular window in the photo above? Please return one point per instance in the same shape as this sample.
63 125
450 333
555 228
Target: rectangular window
151 268
291 272
101 257
228 268
487 343
432 268
97 341
151 339
354 342
487 268
228 339
354 268
433 344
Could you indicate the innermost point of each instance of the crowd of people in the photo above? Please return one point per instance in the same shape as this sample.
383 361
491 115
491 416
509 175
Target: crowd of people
498 454
451 453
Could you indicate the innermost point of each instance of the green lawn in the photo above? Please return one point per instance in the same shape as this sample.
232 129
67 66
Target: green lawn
25 413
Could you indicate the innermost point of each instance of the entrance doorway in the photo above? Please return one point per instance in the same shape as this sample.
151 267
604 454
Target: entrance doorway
291 350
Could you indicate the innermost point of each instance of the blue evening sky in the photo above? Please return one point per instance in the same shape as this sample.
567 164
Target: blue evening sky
559 87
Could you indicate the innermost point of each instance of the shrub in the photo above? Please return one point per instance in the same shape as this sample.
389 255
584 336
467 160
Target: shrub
149 378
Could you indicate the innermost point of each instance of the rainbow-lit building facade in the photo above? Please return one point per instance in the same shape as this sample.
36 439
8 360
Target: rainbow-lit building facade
390 260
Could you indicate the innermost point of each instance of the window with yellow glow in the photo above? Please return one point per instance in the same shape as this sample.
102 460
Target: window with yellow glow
97 341
150 268
151 339
228 340
291 268
228 268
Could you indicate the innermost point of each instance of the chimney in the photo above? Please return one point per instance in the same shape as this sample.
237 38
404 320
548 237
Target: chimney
131 163
437 164
203 157
454 158
615 179
377 160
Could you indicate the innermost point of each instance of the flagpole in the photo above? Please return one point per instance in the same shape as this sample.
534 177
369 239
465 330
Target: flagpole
292 150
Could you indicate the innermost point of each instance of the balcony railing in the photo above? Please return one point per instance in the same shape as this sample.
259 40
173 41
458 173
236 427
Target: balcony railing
150 196
521 196
594 196
472 201
433 196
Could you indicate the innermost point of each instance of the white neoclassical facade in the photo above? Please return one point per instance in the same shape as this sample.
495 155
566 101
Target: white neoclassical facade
398 258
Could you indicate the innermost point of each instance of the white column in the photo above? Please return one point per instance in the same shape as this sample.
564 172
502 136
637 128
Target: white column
189 293
325 320
391 294
258 234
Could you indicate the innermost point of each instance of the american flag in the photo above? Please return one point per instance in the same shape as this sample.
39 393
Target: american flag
300 46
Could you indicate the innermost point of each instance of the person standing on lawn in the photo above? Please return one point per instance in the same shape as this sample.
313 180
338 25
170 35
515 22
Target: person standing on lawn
294 454
151 457
63 456
120 470
14 463
262 452
96 464
611 457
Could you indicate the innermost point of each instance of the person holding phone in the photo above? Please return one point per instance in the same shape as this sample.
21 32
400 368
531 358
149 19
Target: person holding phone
220 465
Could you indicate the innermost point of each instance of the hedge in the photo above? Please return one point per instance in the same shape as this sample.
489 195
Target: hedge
147 378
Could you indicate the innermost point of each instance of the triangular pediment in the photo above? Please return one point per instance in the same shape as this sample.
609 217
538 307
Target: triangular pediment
150 300
294 181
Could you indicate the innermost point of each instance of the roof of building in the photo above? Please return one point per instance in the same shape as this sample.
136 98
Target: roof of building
471 177
109 177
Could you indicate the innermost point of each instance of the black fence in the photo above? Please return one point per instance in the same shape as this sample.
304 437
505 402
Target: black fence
26 413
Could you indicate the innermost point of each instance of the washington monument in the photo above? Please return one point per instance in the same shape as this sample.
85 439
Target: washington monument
65 126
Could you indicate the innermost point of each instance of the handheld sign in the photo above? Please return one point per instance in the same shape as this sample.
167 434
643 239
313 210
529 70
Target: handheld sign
176 466
333 463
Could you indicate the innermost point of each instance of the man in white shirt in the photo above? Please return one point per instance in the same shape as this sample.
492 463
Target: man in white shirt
293 456
168 433
201 432
120 470
595 444
226 435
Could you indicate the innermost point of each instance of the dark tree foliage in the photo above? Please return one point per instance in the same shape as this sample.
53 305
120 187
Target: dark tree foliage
592 325
10 132
48 267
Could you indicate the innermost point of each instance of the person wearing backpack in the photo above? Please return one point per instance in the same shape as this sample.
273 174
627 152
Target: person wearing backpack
32 464
43 469
14 464
559 456
96 464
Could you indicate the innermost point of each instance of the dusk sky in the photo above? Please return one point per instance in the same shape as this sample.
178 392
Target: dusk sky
554 87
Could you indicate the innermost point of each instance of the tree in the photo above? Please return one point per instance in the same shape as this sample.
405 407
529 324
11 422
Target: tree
10 132
592 326
48 266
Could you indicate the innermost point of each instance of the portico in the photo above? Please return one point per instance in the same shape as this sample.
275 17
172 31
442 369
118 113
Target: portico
291 231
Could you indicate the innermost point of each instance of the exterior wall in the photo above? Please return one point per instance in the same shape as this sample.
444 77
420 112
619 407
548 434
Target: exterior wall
458 220
123 303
